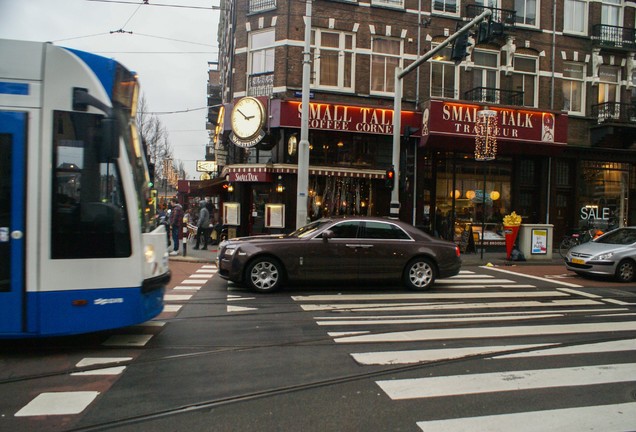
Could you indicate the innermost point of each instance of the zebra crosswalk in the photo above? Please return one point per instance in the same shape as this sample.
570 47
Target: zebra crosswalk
480 317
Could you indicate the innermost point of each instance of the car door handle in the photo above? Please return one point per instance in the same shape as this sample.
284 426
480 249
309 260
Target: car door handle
359 246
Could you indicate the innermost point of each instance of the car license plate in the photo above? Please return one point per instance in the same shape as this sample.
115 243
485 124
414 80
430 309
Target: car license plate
577 261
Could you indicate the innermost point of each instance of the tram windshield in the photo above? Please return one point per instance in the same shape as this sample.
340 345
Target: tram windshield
125 95
89 216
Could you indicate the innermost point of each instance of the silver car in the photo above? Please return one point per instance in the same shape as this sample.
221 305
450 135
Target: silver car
612 254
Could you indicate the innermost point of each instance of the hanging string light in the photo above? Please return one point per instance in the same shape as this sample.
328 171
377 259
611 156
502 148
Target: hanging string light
486 131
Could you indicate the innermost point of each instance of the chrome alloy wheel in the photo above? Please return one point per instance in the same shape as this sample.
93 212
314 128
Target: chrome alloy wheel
264 276
420 275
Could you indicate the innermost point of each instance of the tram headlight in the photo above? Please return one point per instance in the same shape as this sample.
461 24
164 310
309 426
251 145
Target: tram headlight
149 253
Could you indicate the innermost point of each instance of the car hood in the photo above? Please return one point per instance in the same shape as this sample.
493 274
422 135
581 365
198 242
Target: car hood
592 248
254 239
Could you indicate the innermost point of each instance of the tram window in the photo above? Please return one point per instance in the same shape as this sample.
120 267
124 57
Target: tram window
89 217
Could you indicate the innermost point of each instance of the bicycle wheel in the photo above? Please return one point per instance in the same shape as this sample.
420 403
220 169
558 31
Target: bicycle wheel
566 244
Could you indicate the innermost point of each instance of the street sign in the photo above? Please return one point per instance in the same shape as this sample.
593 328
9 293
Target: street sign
206 166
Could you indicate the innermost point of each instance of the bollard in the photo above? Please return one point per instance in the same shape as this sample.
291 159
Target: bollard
185 237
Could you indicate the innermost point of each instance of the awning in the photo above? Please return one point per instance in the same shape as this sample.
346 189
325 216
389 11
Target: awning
264 172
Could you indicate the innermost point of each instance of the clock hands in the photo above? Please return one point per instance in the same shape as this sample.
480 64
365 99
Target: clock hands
246 117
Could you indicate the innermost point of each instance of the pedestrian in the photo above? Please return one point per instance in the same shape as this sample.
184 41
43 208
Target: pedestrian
163 220
176 221
202 225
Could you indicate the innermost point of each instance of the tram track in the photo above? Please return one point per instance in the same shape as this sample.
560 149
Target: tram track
208 404
206 350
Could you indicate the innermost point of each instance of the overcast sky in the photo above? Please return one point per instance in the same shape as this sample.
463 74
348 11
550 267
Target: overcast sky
169 48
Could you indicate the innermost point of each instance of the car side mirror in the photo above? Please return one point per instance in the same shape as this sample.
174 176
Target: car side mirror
327 234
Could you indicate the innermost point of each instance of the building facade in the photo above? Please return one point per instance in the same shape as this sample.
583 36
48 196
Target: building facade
558 77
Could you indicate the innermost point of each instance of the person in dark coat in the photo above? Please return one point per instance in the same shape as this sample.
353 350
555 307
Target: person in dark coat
202 226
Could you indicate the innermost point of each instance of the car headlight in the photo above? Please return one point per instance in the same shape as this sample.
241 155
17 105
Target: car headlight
230 251
605 256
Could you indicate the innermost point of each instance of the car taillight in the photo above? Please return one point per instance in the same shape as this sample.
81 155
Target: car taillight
457 253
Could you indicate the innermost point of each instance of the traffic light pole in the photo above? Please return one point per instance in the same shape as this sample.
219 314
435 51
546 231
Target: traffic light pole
303 146
397 103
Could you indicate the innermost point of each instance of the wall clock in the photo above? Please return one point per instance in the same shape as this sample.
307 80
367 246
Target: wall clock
292 145
247 118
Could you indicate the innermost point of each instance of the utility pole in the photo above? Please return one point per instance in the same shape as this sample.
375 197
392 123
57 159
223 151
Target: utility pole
397 103
303 146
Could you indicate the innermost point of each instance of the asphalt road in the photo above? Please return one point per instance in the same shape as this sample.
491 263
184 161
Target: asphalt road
496 348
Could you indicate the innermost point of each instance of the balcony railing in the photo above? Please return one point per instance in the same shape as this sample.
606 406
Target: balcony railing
507 17
614 37
261 5
261 84
494 95
614 112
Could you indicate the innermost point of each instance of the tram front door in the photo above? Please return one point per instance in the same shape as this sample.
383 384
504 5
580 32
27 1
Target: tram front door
12 219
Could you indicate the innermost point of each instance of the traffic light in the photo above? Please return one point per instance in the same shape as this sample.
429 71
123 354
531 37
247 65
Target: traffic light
389 178
151 175
489 30
459 49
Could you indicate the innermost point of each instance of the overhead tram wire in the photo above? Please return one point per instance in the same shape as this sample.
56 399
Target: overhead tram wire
145 3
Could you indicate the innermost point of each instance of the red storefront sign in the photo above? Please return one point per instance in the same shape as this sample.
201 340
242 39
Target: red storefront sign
345 118
250 176
443 118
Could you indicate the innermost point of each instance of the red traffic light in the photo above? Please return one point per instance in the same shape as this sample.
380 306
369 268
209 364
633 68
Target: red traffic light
389 178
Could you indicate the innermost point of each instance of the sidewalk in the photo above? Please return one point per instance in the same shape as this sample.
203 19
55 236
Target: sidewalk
499 259
194 255
468 259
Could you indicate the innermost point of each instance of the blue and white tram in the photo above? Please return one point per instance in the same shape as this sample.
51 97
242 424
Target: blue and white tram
78 251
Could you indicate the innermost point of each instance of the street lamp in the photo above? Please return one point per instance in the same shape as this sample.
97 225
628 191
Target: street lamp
486 131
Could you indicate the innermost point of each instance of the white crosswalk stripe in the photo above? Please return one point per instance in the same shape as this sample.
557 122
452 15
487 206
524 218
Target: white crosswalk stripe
477 316
606 418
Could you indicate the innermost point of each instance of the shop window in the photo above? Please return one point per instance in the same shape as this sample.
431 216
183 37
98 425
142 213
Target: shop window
443 75
573 87
333 59
527 172
385 57
462 202
602 194
575 17
562 174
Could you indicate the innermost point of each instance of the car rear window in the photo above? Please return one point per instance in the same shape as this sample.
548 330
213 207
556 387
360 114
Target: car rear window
386 231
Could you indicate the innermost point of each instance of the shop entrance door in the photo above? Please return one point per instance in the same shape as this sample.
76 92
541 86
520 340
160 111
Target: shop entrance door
563 214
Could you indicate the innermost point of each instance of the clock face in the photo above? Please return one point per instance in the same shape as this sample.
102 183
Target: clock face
248 117
292 144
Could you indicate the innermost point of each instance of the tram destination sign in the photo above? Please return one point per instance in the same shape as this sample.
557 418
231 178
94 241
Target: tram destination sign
206 166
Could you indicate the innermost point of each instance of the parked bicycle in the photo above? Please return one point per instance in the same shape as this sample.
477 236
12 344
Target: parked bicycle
576 238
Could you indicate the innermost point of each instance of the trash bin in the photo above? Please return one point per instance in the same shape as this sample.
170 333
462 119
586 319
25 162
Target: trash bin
535 241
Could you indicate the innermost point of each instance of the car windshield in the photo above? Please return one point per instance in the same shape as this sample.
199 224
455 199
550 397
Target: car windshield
309 229
622 236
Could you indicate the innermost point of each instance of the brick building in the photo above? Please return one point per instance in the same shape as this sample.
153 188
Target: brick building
557 76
